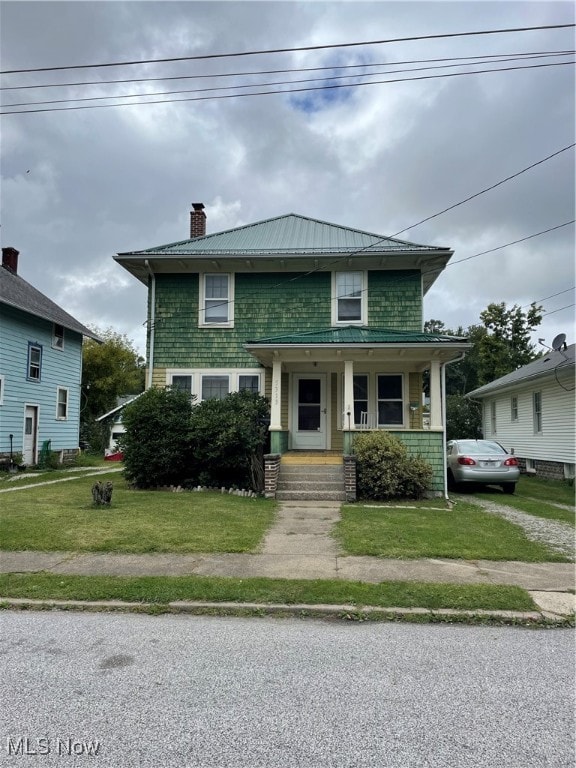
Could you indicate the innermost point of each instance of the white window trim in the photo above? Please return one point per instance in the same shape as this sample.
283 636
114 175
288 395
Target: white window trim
2 386
363 300
201 300
56 339
373 399
232 373
58 390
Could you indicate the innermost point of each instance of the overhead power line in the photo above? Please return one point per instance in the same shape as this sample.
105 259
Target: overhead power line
212 89
290 70
282 91
237 54
558 310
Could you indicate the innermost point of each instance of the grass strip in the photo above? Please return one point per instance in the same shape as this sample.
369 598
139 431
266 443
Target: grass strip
555 491
166 589
465 532
534 508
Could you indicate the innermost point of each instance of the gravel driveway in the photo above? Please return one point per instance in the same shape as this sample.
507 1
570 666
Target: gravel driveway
553 533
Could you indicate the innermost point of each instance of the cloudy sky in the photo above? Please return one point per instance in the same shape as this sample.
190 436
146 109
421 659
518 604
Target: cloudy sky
79 185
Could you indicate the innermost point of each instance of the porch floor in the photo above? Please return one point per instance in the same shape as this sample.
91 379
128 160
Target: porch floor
312 457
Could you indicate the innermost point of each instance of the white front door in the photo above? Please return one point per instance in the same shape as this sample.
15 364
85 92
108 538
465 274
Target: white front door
30 434
309 411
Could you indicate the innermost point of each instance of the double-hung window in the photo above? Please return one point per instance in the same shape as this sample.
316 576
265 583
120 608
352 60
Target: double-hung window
537 411
216 300
34 365
62 404
493 417
514 408
390 399
349 298
249 383
58 336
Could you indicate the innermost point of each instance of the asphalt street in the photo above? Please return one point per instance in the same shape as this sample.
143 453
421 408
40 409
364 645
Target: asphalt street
118 691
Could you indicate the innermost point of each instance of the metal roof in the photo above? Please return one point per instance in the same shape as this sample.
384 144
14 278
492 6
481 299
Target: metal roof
16 292
289 234
353 334
551 363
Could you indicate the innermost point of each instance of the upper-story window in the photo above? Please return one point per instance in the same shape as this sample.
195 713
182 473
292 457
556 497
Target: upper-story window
216 300
34 369
58 336
349 298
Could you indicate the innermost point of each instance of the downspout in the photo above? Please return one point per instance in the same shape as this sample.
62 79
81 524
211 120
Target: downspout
152 323
443 385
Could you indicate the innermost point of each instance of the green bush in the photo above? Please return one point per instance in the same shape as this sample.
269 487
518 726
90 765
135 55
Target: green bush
385 470
227 439
156 444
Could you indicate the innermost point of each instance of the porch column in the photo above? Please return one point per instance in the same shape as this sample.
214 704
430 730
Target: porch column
276 399
348 421
435 395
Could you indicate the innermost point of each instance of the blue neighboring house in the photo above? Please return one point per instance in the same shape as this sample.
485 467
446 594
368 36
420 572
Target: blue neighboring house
40 369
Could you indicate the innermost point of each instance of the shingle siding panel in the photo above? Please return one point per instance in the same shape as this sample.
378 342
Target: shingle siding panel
267 305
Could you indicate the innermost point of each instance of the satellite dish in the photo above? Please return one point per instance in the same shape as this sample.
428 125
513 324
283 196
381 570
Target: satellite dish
558 341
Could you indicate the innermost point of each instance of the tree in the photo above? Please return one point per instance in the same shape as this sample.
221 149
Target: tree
506 345
109 370
463 418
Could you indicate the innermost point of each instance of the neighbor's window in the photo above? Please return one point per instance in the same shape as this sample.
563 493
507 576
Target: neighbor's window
390 401
514 408
1 389
537 411
493 417
249 384
216 300
349 297
34 361
62 403
183 383
58 336
215 387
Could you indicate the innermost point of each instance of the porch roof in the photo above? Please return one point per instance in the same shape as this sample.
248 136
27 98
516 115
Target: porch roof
359 343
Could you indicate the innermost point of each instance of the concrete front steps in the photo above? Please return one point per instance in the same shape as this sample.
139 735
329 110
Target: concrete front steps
310 478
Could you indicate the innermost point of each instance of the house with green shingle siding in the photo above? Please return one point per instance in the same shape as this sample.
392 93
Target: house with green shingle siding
324 320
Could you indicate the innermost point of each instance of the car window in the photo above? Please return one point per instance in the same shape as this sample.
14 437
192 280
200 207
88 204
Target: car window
480 446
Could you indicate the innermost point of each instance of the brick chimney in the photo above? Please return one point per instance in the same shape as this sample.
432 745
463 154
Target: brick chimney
197 220
10 259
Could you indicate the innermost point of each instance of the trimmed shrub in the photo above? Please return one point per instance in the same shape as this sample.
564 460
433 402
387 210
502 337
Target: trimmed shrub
385 470
156 444
227 439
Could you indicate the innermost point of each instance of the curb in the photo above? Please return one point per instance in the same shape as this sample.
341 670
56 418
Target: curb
344 612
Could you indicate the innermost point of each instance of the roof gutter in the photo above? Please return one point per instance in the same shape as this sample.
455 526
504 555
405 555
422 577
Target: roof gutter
444 460
151 322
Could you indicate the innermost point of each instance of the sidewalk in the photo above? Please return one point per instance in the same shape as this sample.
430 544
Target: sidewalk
298 545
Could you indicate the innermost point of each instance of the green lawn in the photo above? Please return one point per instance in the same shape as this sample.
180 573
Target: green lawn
163 589
554 491
61 517
465 532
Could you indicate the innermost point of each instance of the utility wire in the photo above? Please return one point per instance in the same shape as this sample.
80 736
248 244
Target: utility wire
553 296
336 67
282 91
237 54
558 310
487 189
212 89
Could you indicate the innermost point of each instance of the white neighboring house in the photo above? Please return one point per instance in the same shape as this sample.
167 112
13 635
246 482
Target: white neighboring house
114 417
531 413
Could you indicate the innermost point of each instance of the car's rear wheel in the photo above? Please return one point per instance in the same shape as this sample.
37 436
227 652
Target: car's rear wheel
508 487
